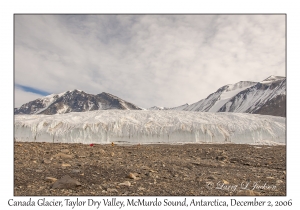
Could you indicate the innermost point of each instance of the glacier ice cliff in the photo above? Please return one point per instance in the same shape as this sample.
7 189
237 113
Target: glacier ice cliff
132 126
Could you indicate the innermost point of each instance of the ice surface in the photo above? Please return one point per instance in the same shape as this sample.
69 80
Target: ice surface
144 126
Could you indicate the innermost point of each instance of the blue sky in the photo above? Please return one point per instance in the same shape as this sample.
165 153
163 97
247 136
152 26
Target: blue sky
31 90
162 60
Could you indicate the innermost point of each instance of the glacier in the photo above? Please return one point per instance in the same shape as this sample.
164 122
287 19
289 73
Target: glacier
146 127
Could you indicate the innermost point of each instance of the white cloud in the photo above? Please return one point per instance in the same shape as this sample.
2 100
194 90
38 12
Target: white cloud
163 60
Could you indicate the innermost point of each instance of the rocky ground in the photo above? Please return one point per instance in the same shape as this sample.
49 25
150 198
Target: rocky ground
148 170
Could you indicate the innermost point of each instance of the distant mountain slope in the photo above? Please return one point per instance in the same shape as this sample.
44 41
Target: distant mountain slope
74 101
216 100
267 97
157 108
271 93
179 108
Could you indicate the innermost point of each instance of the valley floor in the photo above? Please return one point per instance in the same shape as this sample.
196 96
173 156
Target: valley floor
149 170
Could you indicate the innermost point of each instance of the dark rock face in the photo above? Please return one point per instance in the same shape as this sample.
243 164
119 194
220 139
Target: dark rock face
116 103
275 107
74 101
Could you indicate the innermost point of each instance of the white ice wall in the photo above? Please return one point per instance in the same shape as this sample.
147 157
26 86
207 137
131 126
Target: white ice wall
136 126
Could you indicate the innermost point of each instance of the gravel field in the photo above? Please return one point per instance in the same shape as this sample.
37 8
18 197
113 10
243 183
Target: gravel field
46 169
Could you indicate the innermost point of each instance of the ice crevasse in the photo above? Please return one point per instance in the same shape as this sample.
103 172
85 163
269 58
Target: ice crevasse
136 126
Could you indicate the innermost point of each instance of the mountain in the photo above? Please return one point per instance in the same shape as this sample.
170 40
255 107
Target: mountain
74 101
267 97
180 108
157 108
216 100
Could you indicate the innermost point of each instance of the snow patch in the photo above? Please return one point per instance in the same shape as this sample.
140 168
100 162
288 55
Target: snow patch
226 96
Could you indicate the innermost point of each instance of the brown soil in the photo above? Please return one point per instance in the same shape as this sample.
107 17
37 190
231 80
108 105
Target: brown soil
160 170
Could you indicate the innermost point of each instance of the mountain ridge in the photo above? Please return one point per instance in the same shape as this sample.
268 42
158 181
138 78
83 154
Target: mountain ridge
265 97
245 97
74 101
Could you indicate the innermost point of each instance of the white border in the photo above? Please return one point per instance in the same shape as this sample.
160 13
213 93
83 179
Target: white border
8 8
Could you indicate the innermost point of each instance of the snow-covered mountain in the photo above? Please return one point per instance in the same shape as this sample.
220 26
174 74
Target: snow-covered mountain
158 108
133 126
179 108
216 100
74 101
267 97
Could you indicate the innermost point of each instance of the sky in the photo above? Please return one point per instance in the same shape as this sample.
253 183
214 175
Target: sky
148 60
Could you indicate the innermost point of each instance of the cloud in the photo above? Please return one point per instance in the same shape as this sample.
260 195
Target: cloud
163 60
